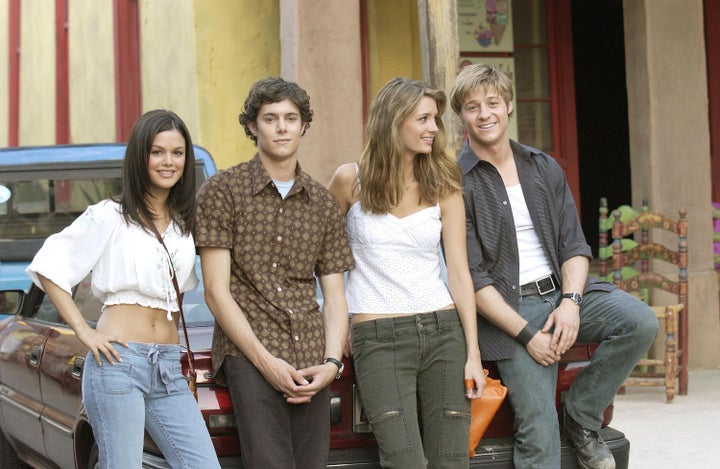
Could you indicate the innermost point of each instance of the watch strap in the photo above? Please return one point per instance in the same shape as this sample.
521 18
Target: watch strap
337 363
574 296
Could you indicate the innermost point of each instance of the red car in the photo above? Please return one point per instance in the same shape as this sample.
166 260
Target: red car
41 364
41 361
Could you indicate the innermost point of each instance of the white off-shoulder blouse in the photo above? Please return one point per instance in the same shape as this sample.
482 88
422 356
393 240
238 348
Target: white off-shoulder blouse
128 263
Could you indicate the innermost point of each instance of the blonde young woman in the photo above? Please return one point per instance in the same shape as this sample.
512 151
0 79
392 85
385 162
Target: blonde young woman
414 336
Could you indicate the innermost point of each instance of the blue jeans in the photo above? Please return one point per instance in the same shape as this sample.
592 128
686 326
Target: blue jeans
146 391
410 373
623 326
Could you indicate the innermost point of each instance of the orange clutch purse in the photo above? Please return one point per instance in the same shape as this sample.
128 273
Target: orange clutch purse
484 409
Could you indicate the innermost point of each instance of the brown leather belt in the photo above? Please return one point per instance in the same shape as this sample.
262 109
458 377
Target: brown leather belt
541 286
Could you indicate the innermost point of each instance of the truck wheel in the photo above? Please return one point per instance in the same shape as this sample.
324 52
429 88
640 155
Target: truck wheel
7 455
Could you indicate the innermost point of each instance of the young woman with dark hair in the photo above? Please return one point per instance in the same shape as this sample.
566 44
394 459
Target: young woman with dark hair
133 378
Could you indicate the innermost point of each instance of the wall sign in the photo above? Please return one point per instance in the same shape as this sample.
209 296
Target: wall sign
485 26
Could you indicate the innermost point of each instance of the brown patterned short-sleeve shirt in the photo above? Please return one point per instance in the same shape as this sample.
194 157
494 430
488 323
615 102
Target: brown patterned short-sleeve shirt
277 246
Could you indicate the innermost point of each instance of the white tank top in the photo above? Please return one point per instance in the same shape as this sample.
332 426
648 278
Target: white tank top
397 262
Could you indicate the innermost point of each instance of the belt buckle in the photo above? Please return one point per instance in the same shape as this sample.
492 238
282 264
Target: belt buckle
543 288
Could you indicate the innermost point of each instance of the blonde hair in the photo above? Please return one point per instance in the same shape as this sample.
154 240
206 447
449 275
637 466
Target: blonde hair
380 166
482 76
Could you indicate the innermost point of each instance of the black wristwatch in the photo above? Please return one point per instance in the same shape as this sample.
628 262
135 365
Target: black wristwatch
575 297
340 365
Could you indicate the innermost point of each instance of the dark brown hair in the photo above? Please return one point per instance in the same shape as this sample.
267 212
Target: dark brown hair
136 179
274 90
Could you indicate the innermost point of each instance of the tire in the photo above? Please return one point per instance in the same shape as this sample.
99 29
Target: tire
93 462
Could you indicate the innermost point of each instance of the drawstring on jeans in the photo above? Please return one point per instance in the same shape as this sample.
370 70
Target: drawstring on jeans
153 356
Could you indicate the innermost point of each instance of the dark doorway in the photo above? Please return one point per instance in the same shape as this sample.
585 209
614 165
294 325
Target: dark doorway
601 108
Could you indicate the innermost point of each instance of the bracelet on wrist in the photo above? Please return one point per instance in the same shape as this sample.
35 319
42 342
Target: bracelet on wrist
526 334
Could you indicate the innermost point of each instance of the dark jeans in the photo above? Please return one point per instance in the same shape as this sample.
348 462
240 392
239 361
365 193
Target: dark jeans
623 326
274 434
410 373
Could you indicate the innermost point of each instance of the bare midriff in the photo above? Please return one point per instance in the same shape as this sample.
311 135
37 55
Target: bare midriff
136 323
362 317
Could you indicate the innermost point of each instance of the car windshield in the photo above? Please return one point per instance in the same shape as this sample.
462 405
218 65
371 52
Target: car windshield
36 208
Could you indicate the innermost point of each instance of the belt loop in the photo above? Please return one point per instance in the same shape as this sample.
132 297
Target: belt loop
384 328
438 318
445 318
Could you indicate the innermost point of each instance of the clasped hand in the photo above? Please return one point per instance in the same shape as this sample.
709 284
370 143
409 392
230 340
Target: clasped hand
298 386
557 335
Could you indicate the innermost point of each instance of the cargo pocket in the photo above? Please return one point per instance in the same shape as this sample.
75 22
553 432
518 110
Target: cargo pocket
454 434
390 428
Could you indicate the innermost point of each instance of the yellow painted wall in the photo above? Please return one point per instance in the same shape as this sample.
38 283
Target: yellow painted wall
167 59
91 71
238 43
37 64
4 77
393 42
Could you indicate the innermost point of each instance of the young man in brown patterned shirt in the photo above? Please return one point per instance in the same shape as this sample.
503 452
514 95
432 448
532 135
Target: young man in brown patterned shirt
265 230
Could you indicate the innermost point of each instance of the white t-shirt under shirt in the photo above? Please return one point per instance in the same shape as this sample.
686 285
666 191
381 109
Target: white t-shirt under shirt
533 261
283 187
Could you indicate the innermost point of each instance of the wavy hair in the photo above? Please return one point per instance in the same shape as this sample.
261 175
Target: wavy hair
136 178
381 162
274 90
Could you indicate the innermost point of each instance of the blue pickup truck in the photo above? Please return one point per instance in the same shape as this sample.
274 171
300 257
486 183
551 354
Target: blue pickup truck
42 423
42 189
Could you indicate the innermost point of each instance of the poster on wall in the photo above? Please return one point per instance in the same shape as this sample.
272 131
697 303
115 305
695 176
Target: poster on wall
507 65
485 26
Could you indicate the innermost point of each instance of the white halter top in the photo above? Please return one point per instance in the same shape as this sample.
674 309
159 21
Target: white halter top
398 262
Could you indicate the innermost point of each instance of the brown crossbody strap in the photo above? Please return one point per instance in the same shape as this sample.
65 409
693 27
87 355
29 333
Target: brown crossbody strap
191 365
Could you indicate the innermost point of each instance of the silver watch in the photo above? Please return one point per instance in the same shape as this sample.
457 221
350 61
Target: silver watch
575 297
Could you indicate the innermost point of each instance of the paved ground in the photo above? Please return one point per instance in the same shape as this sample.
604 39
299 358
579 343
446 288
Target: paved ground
684 434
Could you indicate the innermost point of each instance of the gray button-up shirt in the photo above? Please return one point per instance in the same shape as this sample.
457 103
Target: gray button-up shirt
491 238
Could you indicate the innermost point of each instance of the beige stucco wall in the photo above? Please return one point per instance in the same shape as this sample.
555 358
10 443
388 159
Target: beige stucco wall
321 50
4 77
670 146
168 67
320 41
91 67
237 43
37 72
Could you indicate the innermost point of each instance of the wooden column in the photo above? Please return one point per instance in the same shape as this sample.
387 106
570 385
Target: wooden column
440 51
320 50
670 145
